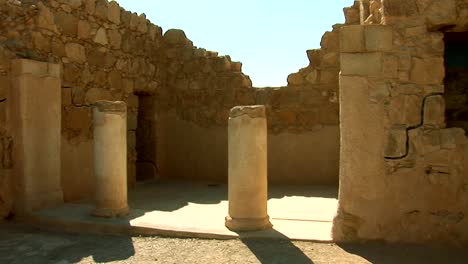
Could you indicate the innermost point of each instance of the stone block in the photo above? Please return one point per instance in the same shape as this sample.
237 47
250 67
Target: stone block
395 144
84 29
329 77
378 38
115 39
405 110
450 138
77 118
351 15
74 3
101 37
434 111
40 42
36 68
101 9
314 56
400 8
441 13
175 37
75 52
36 114
363 64
71 74
312 77
96 94
390 66
379 93
330 41
115 80
90 6
352 38
66 96
66 23
330 59
114 12
427 70
45 18
295 79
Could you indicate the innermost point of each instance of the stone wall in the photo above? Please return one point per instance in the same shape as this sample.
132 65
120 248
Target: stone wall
104 52
202 87
403 174
107 53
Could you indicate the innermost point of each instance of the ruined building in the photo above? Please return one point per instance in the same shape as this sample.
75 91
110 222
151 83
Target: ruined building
381 110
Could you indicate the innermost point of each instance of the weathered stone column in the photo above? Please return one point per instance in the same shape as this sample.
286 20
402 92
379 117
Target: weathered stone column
110 158
247 169
36 122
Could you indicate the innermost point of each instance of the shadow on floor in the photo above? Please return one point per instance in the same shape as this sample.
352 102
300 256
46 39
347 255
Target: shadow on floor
406 254
24 244
172 195
277 250
323 191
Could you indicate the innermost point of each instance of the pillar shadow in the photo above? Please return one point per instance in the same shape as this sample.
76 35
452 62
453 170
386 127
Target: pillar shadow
21 243
73 234
275 248
380 253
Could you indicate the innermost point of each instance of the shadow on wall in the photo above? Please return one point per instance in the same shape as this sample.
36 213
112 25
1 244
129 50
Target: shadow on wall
278 250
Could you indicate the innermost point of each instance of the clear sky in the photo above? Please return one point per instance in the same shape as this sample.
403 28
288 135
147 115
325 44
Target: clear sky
269 37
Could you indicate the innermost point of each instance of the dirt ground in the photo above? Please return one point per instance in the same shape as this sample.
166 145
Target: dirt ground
20 244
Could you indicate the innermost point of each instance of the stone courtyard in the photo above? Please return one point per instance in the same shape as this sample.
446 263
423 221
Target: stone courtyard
109 124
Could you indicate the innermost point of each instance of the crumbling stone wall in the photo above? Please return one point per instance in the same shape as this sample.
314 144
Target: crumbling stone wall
104 53
403 174
107 53
6 140
202 87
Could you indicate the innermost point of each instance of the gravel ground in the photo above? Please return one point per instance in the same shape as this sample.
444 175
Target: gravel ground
19 244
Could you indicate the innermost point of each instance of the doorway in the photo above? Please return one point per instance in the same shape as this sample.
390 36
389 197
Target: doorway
456 79
146 168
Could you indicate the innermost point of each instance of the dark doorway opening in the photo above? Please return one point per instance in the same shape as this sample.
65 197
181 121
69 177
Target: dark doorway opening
146 168
456 79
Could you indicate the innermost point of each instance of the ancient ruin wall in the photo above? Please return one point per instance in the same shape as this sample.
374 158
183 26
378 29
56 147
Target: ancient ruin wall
105 52
302 117
403 173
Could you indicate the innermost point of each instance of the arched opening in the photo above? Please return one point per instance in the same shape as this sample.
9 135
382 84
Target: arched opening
456 79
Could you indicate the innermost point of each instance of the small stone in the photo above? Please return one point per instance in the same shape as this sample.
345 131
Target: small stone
90 6
295 79
84 29
115 39
434 111
101 36
114 12
175 37
76 52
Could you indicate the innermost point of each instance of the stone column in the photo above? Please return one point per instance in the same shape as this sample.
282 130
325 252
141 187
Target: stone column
36 123
110 158
247 169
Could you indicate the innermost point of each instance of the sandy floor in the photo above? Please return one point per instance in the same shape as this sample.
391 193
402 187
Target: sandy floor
25 245
198 210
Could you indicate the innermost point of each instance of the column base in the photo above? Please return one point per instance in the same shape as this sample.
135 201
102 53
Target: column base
248 224
108 213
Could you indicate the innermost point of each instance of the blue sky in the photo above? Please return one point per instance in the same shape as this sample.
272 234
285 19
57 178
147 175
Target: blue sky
269 37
